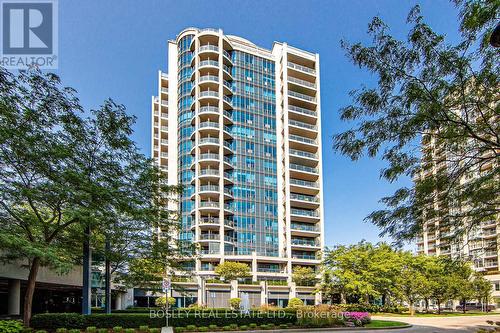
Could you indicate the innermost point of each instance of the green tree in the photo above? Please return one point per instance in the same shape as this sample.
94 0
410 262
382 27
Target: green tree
410 283
482 289
304 276
428 89
61 173
230 270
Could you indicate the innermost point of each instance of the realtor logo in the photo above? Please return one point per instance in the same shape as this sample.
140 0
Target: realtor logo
29 34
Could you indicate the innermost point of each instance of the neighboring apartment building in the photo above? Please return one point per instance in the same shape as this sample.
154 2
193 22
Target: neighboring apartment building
479 245
239 126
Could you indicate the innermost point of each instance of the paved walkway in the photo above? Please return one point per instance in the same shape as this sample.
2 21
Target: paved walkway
459 324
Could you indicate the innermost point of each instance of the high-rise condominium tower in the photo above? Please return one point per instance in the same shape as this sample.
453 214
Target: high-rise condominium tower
239 126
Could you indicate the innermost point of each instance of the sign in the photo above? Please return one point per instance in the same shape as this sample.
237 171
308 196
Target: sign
166 284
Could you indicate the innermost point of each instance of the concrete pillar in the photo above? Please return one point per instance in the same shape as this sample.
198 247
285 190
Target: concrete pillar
14 301
254 266
118 301
234 289
202 291
293 290
263 293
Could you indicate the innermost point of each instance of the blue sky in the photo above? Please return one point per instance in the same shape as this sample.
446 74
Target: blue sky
115 48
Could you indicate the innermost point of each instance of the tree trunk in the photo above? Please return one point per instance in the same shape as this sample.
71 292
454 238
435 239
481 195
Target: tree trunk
342 298
464 308
439 306
30 290
426 305
411 308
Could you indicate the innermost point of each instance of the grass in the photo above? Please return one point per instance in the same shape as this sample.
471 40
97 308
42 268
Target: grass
443 314
384 323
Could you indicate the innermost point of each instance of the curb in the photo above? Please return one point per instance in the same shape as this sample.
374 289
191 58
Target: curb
318 329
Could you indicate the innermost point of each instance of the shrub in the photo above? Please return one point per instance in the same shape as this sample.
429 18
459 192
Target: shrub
295 303
358 318
102 330
252 325
144 328
74 330
91 329
283 326
233 326
191 327
62 330
243 327
154 330
27 330
11 326
179 329
161 302
117 329
129 330
202 329
212 327
226 328
41 331
235 303
320 316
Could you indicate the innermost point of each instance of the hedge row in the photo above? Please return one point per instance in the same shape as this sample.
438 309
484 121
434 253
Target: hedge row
74 320
372 308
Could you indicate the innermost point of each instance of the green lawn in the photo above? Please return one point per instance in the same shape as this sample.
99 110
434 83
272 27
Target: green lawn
384 323
443 314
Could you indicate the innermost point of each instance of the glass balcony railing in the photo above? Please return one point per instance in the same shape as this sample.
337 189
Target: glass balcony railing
164 141
302 124
304 227
165 155
205 78
164 115
228 175
301 153
209 237
302 139
209 63
228 207
164 128
228 191
302 110
204 48
301 68
209 188
208 124
227 129
227 69
208 204
208 156
304 212
302 197
226 54
208 109
209 140
227 84
299 167
270 270
209 220
306 183
209 93
304 256
208 172
302 96
304 242
227 100
302 82
206 251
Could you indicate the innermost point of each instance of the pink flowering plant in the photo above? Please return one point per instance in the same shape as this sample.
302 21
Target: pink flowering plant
358 318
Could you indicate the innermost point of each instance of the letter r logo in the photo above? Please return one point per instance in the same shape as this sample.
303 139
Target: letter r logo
27 27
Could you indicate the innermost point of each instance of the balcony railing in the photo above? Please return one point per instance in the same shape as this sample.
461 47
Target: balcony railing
302 124
209 188
301 68
302 139
209 237
300 182
302 82
269 270
209 220
304 242
164 141
164 128
302 197
304 227
208 156
302 96
227 69
302 110
208 204
209 63
209 140
211 109
208 78
208 48
304 256
301 153
299 167
303 212
227 99
208 124
209 93
208 172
